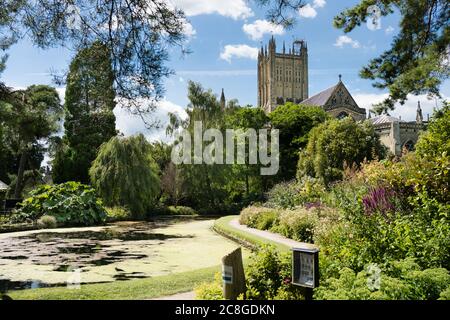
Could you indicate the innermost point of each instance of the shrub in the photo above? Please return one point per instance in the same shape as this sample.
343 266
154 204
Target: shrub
297 224
399 280
70 203
335 144
250 215
436 140
287 195
181 211
210 291
47 222
284 195
118 214
268 276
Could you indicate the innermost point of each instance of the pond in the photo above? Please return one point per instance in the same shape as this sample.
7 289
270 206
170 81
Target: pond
116 252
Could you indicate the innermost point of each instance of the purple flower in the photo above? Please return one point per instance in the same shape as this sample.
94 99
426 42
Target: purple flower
379 200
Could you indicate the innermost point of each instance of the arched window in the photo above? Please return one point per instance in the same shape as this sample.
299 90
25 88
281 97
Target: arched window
409 145
342 115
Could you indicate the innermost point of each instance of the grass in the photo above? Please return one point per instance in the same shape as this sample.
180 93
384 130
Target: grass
223 227
124 290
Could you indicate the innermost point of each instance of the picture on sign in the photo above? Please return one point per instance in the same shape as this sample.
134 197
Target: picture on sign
306 269
227 274
305 264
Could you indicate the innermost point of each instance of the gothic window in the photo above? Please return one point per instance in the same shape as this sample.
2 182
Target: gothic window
409 145
342 115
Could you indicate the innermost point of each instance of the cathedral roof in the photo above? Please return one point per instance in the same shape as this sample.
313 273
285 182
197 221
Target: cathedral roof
384 118
321 98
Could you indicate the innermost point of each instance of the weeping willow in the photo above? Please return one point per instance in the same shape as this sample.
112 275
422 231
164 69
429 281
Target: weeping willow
125 174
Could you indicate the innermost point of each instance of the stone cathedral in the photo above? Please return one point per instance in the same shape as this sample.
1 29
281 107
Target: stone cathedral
283 77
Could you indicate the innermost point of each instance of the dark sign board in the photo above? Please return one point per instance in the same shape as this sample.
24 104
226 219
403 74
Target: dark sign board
305 267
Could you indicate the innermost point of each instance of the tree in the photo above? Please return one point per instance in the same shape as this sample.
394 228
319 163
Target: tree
205 184
335 144
244 119
294 122
436 140
89 121
30 117
417 61
137 34
125 174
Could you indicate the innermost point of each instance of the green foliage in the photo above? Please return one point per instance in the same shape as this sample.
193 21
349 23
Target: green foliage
210 291
436 140
415 62
70 203
118 214
401 280
291 194
298 224
89 121
47 222
252 216
181 211
28 119
268 276
294 123
125 174
336 144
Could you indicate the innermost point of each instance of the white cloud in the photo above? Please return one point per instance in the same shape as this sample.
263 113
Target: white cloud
389 30
319 3
343 40
407 111
257 29
130 124
307 11
189 30
235 9
238 51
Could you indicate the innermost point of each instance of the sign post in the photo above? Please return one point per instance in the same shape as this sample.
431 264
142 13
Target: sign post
233 275
305 269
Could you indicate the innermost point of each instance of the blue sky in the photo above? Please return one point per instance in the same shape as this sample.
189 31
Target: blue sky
223 37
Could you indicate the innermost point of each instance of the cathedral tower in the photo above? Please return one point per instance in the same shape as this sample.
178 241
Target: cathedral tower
282 77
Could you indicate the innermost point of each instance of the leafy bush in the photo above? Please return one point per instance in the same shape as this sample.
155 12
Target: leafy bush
251 215
268 276
297 224
284 195
335 144
287 195
70 203
47 222
399 280
436 140
118 214
210 291
181 211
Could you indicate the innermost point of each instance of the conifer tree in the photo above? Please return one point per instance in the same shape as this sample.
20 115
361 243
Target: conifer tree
89 121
